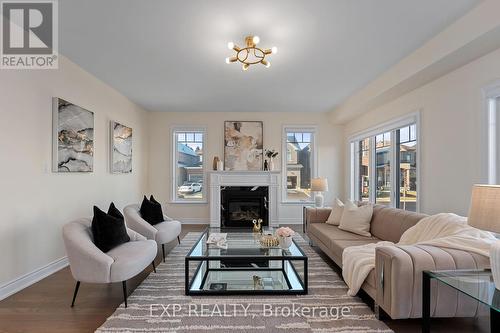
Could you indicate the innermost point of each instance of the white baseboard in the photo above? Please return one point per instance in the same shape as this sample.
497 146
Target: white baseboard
28 279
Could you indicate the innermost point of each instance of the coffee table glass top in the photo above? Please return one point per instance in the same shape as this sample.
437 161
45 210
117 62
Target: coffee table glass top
242 243
477 284
244 266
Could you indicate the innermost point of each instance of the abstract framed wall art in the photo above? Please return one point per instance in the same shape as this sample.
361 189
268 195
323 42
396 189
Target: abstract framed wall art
73 137
121 148
243 145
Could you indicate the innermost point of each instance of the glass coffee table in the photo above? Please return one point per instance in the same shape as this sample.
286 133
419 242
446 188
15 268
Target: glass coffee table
245 267
476 284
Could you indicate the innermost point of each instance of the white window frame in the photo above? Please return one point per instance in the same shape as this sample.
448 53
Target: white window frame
490 133
314 167
173 158
389 126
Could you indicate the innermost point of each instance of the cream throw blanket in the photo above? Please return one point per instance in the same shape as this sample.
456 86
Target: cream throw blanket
444 230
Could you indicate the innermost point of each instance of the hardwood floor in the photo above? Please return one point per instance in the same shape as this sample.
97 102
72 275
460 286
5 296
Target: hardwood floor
45 306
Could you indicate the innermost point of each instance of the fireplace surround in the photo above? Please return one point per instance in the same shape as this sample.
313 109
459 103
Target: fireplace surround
218 180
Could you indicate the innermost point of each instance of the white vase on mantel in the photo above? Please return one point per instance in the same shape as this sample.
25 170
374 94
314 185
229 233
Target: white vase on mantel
271 164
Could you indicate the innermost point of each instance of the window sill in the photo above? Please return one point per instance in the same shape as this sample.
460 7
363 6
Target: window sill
182 202
304 203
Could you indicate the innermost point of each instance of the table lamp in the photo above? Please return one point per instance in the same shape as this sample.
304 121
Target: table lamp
484 214
319 185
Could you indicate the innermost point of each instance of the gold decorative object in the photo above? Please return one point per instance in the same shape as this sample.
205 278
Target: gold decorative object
257 283
257 225
269 241
251 54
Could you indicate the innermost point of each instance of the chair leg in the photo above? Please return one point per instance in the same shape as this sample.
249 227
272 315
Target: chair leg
178 239
76 292
154 267
163 251
124 286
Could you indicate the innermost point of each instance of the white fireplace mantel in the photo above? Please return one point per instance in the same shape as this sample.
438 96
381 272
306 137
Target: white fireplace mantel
218 179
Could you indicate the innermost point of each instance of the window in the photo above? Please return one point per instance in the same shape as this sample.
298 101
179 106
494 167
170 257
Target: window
407 177
188 176
299 164
364 170
383 168
391 176
493 136
490 132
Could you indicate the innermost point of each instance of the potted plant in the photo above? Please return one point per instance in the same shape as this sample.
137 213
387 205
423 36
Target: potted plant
285 237
271 154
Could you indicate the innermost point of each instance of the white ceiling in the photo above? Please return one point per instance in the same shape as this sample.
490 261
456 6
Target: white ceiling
169 55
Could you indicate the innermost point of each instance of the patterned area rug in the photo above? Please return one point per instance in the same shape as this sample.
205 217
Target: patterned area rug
159 304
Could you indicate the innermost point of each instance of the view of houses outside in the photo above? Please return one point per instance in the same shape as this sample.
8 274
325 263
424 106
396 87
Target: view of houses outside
298 166
364 169
383 168
189 174
407 140
408 168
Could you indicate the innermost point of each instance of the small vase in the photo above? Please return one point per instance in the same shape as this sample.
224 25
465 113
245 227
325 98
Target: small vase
271 164
285 242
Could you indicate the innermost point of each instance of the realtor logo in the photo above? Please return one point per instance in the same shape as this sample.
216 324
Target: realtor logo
29 34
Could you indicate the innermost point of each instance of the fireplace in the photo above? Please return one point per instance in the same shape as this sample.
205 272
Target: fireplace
240 205
219 180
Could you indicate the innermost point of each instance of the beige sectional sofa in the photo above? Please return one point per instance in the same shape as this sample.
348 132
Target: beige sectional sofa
395 283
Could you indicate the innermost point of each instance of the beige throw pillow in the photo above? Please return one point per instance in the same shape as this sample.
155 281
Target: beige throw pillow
356 219
336 213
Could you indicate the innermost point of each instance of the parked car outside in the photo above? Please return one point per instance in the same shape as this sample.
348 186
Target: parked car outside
190 188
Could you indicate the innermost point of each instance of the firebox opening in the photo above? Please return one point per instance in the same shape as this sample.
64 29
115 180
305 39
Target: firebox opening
240 205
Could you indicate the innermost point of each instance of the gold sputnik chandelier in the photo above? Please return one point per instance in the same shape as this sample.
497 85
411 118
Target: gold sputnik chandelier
251 54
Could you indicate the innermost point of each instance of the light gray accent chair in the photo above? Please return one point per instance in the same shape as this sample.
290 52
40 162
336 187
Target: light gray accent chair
90 265
162 233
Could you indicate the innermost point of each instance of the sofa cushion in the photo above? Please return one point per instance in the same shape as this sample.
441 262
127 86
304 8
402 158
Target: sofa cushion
327 232
356 219
390 223
336 214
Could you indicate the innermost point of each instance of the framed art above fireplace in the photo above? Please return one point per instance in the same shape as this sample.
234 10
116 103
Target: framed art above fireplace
243 145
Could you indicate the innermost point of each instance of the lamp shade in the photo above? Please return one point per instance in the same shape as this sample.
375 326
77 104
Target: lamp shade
484 210
319 184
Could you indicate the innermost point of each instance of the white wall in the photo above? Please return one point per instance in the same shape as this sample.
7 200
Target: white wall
35 202
451 115
329 145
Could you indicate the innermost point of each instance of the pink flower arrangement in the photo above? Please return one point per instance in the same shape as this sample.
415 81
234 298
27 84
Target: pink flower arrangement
285 232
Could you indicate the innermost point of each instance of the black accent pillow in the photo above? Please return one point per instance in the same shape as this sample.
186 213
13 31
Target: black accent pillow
145 209
157 210
151 211
108 231
113 211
